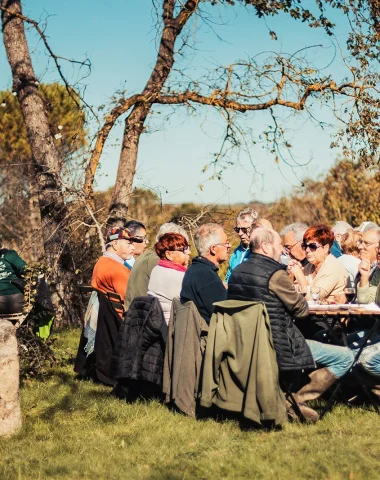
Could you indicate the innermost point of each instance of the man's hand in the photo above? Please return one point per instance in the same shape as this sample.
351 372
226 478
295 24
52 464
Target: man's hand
364 270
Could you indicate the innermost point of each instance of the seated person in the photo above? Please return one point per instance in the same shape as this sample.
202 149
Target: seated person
350 253
201 283
11 268
292 236
324 270
137 230
142 268
166 278
243 227
262 278
368 277
110 273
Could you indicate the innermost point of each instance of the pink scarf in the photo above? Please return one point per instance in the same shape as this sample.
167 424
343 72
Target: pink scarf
170 264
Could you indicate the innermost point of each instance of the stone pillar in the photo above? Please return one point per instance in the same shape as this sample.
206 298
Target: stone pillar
10 412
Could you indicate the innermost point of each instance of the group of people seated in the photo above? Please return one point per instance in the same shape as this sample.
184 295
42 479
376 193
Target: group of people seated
282 270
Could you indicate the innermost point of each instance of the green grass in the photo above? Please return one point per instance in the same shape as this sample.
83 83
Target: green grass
75 430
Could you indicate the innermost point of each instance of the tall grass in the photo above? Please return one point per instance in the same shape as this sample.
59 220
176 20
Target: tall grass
76 430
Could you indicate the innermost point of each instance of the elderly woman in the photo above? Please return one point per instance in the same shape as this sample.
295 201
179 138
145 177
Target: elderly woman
324 270
166 278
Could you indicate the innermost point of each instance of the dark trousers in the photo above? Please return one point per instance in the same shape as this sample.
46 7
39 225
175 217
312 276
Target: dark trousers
11 303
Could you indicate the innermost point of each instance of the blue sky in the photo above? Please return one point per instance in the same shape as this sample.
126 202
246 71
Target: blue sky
119 38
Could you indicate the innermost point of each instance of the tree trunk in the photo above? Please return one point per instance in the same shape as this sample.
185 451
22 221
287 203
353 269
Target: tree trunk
10 412
46 167
36 244
134 124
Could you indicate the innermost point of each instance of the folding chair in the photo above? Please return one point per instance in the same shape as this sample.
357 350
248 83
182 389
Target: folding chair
116 301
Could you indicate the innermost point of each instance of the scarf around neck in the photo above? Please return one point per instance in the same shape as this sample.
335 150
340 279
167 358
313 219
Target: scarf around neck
113 256
174 266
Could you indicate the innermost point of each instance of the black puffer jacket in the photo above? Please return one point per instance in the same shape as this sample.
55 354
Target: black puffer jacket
250 281
140 346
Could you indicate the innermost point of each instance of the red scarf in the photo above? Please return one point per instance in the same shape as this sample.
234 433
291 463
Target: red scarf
170 264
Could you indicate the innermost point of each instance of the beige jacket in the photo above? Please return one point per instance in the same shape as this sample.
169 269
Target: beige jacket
331 278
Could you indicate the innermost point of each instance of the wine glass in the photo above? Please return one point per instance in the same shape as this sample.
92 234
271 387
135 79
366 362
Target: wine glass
350 295
315 293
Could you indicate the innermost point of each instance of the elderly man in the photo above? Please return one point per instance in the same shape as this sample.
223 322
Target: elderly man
138 230
201 283
293 236
368 277
262 278
243 226
140 274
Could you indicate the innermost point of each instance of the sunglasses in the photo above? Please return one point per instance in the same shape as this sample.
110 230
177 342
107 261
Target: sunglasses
245 230
311 246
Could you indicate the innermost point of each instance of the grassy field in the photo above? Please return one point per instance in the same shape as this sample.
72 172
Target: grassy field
76 430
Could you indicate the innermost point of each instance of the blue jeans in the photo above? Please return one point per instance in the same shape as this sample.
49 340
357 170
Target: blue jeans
337 359
370 357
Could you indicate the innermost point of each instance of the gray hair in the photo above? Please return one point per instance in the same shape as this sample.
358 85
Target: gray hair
248 213
207 235
297 228
171 228
365 226
261 235
341 227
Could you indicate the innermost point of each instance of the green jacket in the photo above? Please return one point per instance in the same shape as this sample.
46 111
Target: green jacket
240 372
187 337
11 266
140 275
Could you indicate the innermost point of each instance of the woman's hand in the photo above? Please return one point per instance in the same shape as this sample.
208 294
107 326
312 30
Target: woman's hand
295 269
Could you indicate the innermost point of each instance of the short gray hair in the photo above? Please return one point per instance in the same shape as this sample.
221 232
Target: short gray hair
206 236
261 235
365 226
341 227
248 212
297 228
171 228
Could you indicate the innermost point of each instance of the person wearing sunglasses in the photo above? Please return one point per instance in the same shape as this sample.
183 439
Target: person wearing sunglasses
166 278
243 226
137 230
324 270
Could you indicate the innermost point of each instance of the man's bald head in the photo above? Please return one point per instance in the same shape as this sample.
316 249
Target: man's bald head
266 241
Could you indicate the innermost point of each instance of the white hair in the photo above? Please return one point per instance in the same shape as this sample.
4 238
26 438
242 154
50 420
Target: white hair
171 228
297 228
341 227
365 226
249 214
207 235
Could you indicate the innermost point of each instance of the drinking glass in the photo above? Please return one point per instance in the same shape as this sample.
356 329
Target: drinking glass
350 295
315 293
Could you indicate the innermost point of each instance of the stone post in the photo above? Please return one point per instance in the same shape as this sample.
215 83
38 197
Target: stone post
10 412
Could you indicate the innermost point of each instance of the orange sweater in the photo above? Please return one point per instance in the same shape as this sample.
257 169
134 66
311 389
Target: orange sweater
110 276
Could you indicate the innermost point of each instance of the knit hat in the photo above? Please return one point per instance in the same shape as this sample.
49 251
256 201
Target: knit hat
117 233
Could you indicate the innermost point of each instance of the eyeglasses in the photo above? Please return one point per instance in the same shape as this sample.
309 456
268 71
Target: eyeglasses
367 244
311 246
245 230
288 248
183 250
227 244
